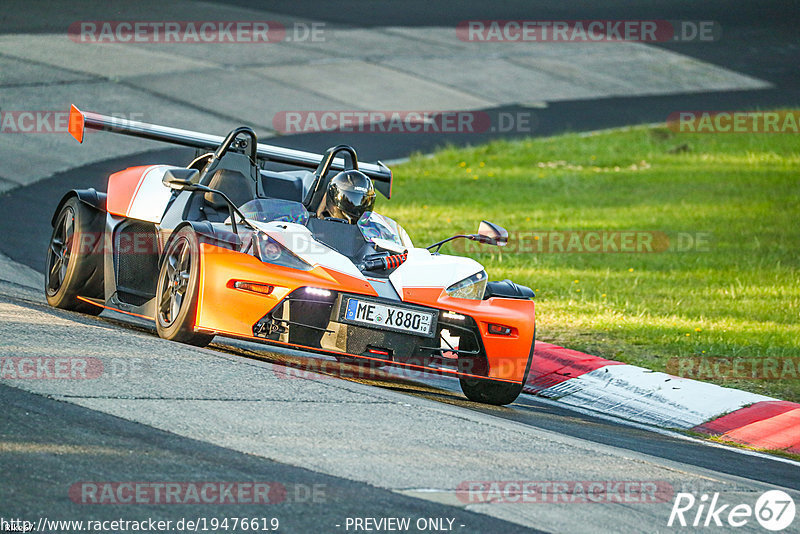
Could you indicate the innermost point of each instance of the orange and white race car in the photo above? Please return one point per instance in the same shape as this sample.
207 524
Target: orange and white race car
227 247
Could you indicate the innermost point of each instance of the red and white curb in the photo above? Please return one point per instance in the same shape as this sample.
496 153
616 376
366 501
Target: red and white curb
771 424
662 400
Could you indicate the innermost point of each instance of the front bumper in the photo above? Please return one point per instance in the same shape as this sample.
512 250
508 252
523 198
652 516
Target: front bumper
462 344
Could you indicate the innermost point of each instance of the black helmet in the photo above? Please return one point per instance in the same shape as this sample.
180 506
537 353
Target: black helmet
349 195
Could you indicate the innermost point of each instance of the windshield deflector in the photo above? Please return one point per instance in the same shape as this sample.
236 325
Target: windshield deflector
272 209
376 226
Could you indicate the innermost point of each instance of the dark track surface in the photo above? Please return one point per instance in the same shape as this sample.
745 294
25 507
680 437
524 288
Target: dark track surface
534 412
98 447
760 39
547 415
764 47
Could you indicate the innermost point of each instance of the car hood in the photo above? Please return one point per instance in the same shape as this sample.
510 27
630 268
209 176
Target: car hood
421 268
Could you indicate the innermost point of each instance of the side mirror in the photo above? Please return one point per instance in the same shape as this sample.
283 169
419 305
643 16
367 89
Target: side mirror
180 179
491 234
488 233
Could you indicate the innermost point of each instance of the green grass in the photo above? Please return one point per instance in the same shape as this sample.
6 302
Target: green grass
738 297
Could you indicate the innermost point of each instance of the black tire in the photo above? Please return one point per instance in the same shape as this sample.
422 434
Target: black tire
177 289
75 258
493 392
490 391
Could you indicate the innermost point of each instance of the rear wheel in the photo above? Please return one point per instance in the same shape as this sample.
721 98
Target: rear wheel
75 259
177 290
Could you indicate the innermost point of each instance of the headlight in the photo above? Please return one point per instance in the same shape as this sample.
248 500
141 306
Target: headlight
469 288
270 251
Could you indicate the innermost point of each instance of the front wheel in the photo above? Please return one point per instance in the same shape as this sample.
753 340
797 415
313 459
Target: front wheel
177 290
494 392
490 391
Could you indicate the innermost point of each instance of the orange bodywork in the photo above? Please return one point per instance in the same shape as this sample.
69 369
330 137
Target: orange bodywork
507 355
226 310
76 123
122 188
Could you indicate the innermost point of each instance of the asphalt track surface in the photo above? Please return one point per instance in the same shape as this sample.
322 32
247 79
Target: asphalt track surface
548 415
81 444
47 445
27 248
759 39
75 443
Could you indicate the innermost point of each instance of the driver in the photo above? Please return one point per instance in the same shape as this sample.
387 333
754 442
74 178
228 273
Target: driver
349 195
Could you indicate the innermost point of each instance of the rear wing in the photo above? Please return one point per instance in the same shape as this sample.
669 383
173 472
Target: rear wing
79 121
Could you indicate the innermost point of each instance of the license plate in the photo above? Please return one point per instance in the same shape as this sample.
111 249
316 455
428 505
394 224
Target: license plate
360 311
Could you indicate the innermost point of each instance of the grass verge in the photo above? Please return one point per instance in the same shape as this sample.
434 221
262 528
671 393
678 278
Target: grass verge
722 212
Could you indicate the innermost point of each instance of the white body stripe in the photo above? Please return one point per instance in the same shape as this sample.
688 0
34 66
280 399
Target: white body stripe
299 240
151 197
421 268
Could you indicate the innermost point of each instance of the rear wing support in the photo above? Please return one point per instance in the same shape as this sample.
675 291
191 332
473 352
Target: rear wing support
79 121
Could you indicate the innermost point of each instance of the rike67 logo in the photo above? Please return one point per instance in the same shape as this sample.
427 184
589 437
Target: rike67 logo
774 510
